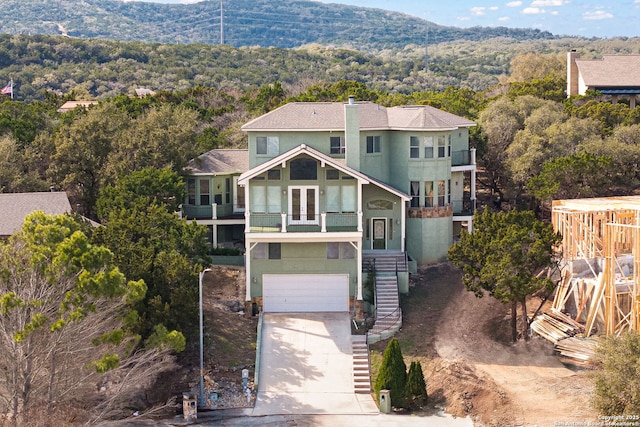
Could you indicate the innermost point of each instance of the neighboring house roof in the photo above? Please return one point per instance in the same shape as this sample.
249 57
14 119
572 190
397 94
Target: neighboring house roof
219 162
610 71
72 105
14 207
329 116
304 149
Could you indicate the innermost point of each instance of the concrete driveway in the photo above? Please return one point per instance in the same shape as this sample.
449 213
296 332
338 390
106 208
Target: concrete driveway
306 366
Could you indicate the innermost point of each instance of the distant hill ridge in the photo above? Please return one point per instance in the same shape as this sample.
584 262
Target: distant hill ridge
265 23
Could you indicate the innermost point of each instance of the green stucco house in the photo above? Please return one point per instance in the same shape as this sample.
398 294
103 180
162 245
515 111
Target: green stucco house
329 187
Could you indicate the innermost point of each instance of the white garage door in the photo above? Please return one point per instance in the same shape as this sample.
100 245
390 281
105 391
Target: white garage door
299 293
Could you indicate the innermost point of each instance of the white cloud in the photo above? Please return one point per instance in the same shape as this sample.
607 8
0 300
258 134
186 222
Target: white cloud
503 18
462 18
519 3
532 11
542 3
597 15
478 10
554 13
494 8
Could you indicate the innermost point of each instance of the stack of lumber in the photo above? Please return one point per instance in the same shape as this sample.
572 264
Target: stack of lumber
555 326
581 351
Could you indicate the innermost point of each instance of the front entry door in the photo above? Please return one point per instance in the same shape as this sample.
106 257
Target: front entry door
379 227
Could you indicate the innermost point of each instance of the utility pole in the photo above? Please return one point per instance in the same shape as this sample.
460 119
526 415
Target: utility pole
221 25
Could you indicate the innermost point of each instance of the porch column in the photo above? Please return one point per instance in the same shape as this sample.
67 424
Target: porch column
247 209
473 179
214 235
403 221
359 274
360 209
214 211
247 263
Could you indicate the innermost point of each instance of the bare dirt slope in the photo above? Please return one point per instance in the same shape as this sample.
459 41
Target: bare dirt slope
471 367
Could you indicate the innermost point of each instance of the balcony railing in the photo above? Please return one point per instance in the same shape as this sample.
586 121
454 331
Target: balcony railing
461 158
322 223
463 207
212 211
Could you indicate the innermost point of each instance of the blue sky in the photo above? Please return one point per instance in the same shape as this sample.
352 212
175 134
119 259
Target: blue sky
586 18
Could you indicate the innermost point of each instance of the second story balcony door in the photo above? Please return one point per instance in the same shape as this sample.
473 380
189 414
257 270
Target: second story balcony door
303 205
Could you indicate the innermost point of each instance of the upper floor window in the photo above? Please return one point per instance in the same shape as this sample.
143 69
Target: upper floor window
303 169
441 193
273 175
428 194
414 147
205 195
441 146
191 191
415 194
373 144
336 144
333 174
428 147
269 145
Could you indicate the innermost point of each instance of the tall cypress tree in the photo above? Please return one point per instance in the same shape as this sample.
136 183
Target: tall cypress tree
416 388
393 374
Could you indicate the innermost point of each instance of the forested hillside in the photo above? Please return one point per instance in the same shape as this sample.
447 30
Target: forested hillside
285 23
101 68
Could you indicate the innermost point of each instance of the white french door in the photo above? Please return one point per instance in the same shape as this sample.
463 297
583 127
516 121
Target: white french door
303 205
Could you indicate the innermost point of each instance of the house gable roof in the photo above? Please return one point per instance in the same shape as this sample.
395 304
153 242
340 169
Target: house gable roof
329 116
219 162
14 207
304 149
610 71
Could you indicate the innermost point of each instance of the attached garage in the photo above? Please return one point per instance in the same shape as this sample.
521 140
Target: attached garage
299 293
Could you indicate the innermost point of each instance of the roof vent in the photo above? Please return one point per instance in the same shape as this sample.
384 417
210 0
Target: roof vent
352 100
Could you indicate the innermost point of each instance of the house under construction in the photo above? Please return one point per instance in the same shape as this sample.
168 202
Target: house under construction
599 292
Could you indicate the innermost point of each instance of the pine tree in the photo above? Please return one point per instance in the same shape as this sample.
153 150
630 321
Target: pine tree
393 374
416 388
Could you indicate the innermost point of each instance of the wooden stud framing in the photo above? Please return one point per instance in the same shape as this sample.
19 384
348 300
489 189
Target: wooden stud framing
599 234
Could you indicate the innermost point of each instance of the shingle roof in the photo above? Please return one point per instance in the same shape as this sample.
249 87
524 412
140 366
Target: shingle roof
611 71
14 207
329 116
219 162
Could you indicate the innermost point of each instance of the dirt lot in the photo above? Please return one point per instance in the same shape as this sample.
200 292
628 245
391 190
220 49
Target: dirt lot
463 344
470 365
